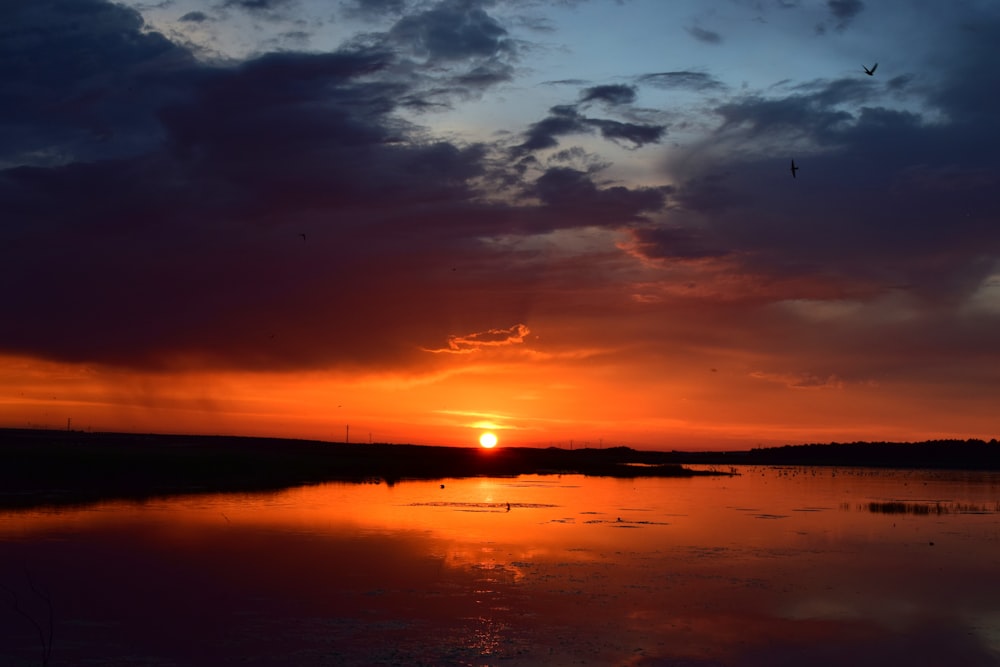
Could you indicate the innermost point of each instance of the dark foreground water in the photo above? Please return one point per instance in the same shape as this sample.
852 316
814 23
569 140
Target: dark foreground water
777 566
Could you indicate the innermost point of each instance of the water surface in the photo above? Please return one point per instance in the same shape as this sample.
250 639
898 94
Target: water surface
775 566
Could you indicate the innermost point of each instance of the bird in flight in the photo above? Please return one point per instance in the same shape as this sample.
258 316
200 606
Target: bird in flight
794 168
871 71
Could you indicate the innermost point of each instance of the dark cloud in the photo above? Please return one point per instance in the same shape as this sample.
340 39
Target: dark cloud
690 80
485 76
706 36
845 10
562 120
666 242
91 97
961 92
636 134
258 5
451 51
452 30
566 120
566 82
194 17
900 83
152 204
569 192
610 94
855 216
839 93
375 8
185 249
843 13
709 193
796 115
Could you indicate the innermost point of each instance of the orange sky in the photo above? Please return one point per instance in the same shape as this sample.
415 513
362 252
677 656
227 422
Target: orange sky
424 219
525 400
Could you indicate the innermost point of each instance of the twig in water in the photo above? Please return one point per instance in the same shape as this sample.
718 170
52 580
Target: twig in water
45 641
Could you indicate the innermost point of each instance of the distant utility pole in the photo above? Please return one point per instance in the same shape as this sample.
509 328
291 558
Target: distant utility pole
347 434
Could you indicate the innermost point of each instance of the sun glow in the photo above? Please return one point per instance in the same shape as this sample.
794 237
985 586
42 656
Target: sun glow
488 440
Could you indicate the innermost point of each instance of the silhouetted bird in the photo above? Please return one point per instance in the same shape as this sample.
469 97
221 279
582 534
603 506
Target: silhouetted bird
303 236
794 169
871 71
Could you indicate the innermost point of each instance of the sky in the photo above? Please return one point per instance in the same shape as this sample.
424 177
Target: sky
571 222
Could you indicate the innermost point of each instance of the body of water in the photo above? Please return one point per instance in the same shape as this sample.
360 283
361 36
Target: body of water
775 566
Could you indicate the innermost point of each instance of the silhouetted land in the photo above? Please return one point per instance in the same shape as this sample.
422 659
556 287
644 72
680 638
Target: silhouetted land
39 467
931 454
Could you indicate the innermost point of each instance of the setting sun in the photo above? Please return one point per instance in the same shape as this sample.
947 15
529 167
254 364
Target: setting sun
488 440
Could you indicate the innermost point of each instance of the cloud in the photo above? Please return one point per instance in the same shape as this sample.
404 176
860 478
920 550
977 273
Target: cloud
474 342
562 120
194 17
666 242
843 13
452 30
56 106
845 10
267 6
565 120
702 35
374 8
795 116
636 134
856 216
613 95
153 204
179 242
568 191
682 79
802 380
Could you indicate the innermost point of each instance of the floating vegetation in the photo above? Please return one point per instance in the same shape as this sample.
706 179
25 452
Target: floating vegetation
482 507
627 523
924 508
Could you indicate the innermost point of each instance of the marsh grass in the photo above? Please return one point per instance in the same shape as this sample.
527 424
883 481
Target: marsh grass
927 508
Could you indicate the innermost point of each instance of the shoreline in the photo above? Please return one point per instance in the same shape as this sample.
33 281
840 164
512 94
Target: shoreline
39 468
56 468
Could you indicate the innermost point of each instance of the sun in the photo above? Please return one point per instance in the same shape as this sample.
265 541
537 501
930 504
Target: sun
488 440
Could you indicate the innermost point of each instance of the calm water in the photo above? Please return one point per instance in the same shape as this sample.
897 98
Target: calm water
777 566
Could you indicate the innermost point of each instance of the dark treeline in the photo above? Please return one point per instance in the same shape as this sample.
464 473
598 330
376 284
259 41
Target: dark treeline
933 454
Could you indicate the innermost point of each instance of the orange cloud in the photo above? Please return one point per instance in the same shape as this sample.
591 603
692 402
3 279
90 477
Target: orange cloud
473 342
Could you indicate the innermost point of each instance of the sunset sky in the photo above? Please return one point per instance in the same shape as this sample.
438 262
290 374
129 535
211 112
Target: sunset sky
563 220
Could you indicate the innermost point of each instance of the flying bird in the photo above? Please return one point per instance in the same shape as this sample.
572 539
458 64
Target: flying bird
794 168
871 71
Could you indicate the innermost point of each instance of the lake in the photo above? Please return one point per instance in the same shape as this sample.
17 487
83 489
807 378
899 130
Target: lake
773 566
